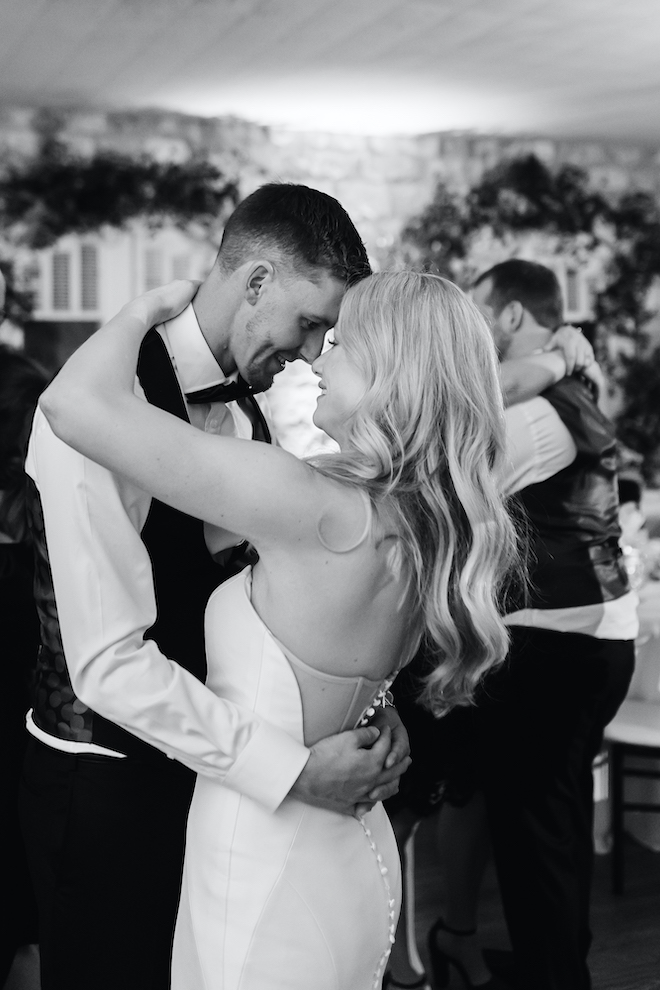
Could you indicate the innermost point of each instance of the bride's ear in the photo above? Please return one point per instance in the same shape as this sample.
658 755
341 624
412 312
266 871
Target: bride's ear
258 278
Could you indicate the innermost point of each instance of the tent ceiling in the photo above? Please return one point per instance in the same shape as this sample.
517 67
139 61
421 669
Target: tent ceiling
582 68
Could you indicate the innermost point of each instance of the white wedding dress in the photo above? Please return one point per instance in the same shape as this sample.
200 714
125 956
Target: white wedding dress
298 899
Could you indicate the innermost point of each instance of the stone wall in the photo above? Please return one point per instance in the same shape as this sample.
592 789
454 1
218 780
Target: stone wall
382 181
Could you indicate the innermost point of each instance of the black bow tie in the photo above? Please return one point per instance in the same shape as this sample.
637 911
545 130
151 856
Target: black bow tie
221 393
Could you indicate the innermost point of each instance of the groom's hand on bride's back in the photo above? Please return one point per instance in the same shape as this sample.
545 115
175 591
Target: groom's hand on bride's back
388 716
352 769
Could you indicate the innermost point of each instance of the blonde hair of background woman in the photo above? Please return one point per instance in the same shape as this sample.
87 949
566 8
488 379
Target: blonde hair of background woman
428 439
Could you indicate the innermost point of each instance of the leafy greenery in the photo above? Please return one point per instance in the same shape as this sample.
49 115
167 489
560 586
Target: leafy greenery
19 301
638 424
57 193
522 194
621 306
516 196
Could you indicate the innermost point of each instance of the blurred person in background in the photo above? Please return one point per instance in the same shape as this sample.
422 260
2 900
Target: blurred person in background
520 772
573 646
21 382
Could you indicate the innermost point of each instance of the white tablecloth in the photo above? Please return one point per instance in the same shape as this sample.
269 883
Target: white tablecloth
645 685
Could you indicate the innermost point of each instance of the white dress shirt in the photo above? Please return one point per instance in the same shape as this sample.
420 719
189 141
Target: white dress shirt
105 600
539 445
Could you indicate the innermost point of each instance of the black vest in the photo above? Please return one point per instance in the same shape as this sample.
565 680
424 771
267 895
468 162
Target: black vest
184 577
576 559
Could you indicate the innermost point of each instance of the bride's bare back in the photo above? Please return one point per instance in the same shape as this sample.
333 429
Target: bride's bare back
342 605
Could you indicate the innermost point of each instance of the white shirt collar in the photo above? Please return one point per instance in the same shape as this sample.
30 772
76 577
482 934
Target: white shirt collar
192 357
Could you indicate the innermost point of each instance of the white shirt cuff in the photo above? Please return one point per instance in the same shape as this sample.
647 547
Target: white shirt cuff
268 766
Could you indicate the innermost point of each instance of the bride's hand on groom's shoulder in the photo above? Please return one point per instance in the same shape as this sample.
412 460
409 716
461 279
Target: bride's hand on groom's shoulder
162 304
355 768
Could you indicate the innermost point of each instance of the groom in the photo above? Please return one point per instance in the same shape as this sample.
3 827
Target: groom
115 745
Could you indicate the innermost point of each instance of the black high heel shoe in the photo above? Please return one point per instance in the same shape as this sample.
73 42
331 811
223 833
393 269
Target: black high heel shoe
440 962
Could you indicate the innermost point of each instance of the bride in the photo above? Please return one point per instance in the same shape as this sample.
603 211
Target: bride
399 535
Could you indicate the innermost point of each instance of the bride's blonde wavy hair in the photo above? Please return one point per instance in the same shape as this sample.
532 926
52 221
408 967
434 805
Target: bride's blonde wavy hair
428 439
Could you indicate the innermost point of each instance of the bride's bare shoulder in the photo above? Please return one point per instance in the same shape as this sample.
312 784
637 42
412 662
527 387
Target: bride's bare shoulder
343 514
348 519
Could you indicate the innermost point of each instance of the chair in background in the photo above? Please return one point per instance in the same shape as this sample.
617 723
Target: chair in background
634 732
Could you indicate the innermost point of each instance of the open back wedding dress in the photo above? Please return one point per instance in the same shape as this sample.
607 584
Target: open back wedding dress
298 899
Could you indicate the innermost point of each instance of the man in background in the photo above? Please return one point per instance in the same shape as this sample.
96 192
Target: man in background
542 715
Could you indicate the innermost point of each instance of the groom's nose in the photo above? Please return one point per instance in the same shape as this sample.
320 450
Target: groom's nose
312 345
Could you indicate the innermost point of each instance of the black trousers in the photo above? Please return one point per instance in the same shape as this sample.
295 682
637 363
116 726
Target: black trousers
105 841
539 725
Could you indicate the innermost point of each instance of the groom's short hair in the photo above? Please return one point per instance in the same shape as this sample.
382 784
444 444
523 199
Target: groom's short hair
536 287
308 229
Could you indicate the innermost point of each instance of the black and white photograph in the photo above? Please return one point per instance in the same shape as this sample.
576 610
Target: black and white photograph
330 494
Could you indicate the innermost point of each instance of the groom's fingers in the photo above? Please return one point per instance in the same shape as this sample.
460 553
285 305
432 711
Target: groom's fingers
386 780
366 736
382 746
387 784
400 744
348 769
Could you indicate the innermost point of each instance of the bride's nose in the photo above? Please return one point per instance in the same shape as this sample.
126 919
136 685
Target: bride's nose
317 364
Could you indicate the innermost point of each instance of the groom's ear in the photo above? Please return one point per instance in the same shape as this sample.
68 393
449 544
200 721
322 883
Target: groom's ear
259 275
512 316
